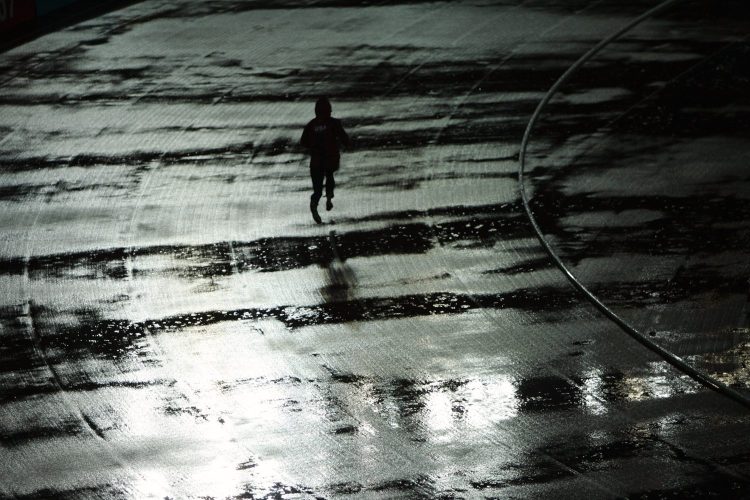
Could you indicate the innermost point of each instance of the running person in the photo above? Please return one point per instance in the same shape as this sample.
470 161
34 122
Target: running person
321 137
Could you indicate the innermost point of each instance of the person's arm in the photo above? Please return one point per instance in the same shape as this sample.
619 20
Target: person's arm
341 133
305 139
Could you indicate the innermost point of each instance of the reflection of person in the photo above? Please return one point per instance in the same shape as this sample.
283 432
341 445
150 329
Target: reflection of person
321 137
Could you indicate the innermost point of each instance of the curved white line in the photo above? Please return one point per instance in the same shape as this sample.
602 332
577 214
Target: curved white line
672 359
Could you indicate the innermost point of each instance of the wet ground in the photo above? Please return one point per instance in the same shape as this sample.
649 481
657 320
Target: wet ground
175 325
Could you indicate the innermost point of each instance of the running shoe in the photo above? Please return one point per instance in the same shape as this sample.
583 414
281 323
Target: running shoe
314 210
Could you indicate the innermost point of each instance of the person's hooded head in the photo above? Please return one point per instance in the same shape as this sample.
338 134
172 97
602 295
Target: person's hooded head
323 108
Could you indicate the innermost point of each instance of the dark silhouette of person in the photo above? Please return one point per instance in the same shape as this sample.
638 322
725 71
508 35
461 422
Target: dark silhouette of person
322 137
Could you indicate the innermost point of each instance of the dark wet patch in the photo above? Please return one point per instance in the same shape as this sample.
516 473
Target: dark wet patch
95 41
349 488
250 464
24 389
709 487
690 91
527 266
581 454
119 338
642 441
23 193
543 394
667 236
684 12
451 385
33 432
495 210
201 9
47 386
292 405
694 283
736 459
436 277
416 181
444 78
275 491
336 410
19 192
239 152
346 429
662 237
583 342
489 224
700 224
597 457
536 472
418 487
344 378
182 157
17 350
680 108
176 409
103 491
647 292
537 299
408 396
258 381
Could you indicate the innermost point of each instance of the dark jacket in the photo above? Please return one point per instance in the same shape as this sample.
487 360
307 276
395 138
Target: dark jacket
322 137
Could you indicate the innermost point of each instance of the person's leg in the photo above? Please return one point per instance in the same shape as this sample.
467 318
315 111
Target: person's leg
316 174
317 183
330 185
331 168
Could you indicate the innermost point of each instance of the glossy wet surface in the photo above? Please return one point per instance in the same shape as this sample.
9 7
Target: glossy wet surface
175 325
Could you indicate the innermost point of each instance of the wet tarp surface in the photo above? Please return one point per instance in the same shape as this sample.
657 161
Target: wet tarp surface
174 324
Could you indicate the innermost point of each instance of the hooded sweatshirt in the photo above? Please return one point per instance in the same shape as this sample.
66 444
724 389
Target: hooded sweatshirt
322 136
